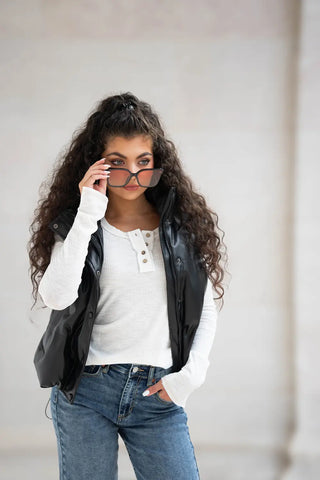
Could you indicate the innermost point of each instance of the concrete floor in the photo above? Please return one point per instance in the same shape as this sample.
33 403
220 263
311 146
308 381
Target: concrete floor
213 465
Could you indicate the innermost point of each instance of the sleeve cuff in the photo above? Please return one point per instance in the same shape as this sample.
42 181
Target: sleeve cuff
180 385
93 203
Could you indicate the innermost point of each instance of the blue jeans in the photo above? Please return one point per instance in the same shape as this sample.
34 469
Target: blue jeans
109 402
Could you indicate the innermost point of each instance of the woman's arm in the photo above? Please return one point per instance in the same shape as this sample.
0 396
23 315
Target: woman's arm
179 385
59 285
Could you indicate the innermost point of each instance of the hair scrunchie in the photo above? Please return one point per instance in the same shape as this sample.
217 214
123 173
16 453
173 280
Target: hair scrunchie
127 105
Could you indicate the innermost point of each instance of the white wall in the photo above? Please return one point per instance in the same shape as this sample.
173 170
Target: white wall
305 442
224 78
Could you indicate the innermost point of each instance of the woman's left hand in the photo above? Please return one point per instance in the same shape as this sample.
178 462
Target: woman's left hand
157 387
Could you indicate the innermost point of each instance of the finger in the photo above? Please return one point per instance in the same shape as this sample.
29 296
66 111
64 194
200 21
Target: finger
89 182
102 186
164 395
97 170
148 392
100 161
103 178
92 177
152 389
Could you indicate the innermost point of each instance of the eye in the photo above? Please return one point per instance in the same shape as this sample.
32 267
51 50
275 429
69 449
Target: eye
116 164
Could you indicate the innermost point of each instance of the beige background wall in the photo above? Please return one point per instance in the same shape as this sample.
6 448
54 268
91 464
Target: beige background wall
236 86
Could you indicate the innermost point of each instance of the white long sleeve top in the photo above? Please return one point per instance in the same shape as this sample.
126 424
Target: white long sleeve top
131 324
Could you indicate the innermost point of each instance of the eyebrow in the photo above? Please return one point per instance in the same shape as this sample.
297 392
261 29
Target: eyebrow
123 156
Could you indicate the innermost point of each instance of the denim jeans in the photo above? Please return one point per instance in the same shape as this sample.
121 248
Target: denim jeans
109 402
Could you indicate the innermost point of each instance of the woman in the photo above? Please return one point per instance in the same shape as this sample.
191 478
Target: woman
125 253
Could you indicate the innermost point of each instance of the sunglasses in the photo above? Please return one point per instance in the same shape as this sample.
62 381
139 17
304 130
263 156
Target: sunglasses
147 177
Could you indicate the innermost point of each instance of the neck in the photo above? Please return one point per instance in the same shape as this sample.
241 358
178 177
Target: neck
121 208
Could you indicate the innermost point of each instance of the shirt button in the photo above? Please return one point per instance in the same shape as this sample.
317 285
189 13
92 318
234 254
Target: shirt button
143 252
147 234
144 260
147 243
135 369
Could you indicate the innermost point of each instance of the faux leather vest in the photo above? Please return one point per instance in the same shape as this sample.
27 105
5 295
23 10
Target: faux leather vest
61 355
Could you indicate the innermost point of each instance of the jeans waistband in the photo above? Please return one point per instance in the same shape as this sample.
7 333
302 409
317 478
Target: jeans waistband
147 371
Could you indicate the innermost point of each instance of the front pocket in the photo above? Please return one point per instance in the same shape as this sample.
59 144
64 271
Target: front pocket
91 370
161 400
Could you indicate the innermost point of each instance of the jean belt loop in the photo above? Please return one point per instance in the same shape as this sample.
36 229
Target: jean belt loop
151 374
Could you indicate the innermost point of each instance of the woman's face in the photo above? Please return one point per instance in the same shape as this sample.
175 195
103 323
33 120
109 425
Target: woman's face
133 154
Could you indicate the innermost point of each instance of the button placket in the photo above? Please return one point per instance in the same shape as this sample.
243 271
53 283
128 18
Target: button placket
145 260
148 239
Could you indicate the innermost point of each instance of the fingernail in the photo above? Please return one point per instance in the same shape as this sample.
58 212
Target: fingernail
145 393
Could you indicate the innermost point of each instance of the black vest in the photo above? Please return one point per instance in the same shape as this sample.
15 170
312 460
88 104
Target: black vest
63 349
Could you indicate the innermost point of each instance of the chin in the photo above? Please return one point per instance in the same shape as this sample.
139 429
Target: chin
127 194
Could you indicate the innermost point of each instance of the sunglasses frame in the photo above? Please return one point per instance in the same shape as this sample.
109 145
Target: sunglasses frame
132 175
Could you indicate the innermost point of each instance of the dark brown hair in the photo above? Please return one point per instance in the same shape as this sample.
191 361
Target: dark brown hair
111 118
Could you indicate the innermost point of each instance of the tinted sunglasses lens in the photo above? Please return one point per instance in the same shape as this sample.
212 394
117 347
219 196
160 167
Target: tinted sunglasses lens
149 178
146 178
117 178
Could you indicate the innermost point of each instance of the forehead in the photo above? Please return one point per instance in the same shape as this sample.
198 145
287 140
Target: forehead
139 142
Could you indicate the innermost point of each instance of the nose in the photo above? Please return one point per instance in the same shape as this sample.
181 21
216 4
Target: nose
133 180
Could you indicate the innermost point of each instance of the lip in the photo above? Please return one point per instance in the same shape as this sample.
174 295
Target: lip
133 187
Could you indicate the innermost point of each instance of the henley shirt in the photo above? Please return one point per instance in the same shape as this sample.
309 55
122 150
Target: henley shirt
131 324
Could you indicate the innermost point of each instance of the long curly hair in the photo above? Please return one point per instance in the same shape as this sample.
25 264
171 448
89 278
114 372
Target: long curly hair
61 191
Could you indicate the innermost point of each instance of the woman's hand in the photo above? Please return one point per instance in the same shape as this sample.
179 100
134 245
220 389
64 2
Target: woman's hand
97 171
157 387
